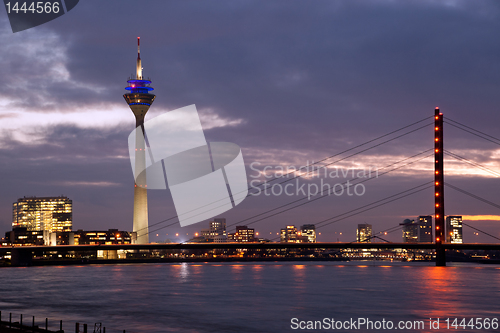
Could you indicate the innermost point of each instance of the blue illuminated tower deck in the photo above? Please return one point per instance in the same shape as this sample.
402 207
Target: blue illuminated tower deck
139 100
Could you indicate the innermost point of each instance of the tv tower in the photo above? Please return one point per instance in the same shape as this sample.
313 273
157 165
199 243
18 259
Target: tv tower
139 100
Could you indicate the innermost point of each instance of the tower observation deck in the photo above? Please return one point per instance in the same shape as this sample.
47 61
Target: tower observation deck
139 99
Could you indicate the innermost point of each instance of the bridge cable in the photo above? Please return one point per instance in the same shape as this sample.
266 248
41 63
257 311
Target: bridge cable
456 122
484 232
478 198
379 205
317 198
323 195
458 157
473 195
478 135
163 221
345 183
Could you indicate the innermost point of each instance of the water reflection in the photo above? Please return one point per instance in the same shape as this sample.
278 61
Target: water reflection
257 274
260 297
445 292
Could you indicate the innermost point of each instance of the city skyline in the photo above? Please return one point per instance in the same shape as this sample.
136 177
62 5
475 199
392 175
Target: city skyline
311 165
284 103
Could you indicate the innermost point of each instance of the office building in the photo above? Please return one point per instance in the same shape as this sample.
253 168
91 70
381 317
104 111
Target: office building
410 231
24 237
425 229
96 237
308 232
218 230
364 233
454 229
243 234
218 227
52 214
289 234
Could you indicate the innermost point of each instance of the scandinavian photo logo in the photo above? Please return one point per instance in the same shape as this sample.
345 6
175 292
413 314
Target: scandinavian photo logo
310 180
205 178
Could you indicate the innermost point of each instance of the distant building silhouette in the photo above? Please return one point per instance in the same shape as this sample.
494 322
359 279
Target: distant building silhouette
410 231
364 233
425 229
454 229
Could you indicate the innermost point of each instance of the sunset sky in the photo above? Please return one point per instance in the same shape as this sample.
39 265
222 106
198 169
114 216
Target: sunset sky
287 81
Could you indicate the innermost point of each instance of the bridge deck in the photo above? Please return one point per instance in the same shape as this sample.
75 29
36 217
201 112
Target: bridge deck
204 246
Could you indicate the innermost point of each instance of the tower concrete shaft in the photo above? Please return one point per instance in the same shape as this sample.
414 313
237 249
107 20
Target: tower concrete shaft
139 100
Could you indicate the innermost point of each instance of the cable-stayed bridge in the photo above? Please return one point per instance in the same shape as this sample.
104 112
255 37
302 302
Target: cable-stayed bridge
438 152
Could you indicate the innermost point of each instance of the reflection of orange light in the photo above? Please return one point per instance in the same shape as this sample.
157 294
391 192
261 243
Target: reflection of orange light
451 233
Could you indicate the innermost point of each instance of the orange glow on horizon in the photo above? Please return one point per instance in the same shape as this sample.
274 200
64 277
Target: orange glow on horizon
481 217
